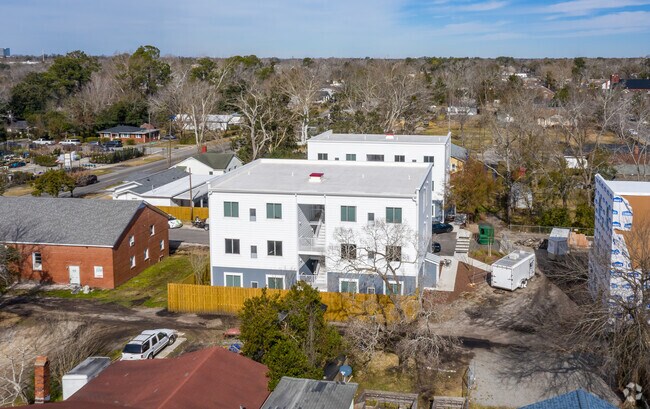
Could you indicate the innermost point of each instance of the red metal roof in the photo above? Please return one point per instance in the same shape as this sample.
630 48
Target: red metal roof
210 378
316 174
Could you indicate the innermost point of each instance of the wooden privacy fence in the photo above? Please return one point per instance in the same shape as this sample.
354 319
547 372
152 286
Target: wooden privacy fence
185 213
230 300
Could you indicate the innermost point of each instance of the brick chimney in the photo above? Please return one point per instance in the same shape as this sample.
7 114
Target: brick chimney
41 380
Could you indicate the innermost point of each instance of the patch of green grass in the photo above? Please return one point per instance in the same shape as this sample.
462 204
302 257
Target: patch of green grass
148 288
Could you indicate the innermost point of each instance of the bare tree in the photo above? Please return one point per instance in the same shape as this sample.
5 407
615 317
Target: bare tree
301 85
199 262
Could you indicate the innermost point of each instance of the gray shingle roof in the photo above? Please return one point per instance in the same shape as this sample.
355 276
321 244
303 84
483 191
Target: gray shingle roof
83 222
159 179
124 129
294 393
578 399
459 152
215 160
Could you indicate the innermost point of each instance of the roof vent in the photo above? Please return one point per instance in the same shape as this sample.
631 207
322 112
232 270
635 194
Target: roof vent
316 177
390 136
514 256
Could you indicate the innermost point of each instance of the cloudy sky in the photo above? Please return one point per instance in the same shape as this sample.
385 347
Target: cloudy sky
331 28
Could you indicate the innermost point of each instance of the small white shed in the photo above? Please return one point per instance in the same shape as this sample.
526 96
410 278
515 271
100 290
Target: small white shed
83 373
558 242
513 271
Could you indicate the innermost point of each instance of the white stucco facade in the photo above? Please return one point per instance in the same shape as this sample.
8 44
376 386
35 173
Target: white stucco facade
397 149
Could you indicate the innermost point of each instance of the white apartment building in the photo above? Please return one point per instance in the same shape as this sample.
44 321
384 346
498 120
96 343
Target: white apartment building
276 221
435 150
620 208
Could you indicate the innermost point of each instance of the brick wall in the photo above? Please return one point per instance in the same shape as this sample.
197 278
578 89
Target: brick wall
140 230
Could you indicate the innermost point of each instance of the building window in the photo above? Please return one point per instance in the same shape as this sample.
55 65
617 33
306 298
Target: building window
152 230
433 186
371 218
393 288
146 254
274 248
231 209
254 284
348 251
232 246
428 159
275 282
351 156
393 215
252 213
393 253
399 158
132 261
336 158
348 285
273 210
131 241
375 158
99 271
348 213
322 156
253 251
233 279
370 290
371 255
162 245
37 261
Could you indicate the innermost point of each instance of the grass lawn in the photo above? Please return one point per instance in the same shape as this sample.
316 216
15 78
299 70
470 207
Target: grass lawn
148 289
382 373
141 161
21 190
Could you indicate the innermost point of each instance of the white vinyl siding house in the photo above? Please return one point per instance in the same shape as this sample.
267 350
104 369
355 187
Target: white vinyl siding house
294 216
401 149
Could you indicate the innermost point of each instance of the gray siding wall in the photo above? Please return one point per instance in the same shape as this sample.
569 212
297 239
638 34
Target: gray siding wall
429 276
252 274
368 280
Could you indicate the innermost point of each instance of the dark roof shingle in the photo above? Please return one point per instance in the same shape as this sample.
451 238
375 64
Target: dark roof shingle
294 393
578 399
85 222
215 160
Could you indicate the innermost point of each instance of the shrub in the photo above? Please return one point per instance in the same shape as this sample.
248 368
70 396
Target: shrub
45 160
558 217
117 156
21 178
91 139
129 142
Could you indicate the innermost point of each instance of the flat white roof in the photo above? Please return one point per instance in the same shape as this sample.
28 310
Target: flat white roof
330 136
629 188
292 176
178 187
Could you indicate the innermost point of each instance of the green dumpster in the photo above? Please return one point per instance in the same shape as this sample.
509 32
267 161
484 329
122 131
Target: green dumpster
485 234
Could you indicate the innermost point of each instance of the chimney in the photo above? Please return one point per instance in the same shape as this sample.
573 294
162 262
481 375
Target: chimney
316 177
41 380
615 78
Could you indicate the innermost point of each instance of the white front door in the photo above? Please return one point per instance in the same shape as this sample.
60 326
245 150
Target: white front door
75 276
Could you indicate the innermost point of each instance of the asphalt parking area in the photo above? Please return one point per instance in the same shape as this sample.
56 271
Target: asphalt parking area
447 243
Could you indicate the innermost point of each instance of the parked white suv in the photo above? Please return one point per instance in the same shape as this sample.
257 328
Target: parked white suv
43 141
71 142
148 344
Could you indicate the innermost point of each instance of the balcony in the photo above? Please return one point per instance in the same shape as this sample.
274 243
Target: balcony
311 244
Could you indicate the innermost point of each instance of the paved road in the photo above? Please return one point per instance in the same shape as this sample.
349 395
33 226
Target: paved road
122 173
189 235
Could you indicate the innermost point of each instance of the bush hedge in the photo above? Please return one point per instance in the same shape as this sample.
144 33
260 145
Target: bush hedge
45 160
117 156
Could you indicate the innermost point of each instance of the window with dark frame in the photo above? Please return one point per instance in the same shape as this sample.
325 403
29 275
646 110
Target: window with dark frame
274 248
348 213
393 253
322 156
399 158
351 156
232 246
393 215
428 159
274 210
231 209
374 158
348 251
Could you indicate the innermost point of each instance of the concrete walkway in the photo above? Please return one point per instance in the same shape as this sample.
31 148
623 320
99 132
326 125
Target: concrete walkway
472 262
447 281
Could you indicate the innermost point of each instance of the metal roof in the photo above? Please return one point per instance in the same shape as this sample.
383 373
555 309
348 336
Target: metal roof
83 222
294 393
330 136
342 178
126 129
578 399
90 366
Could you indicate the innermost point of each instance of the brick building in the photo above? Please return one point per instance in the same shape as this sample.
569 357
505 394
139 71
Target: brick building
140 134
99 243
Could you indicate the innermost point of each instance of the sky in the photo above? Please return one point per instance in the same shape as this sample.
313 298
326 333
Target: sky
330 28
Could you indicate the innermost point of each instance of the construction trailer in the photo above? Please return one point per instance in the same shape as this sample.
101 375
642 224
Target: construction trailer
513 271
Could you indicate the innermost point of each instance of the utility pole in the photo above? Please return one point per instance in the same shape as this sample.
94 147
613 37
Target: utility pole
191 198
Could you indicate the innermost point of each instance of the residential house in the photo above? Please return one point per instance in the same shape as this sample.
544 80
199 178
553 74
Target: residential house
211 122
454 110
294 393
435 150
210 163
631 84
142 134
621 209
99 243
458 157
277 221
170 187
209 378
578 399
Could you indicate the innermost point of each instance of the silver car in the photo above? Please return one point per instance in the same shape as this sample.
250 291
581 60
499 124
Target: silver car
148 344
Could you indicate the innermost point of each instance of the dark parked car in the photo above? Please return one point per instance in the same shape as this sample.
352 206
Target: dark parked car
17 164
435 247
86 180
438 228
113 144
168 138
